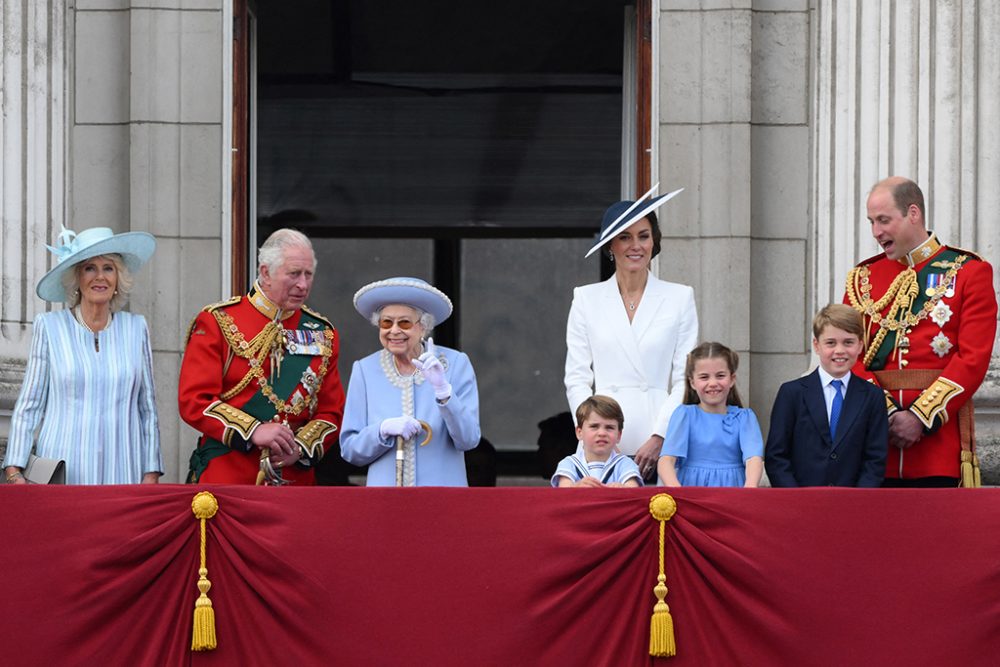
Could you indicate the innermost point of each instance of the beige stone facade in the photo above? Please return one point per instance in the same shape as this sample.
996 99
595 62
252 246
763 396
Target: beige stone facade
777 115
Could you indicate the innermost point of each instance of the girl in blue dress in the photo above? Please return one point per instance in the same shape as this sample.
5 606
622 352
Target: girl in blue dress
712 440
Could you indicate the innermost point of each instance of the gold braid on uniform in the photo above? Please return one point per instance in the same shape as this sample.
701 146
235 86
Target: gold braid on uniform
256 350
312 434
902 291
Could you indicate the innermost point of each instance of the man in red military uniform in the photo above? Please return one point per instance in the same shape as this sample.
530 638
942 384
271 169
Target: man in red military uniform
259 378
931 317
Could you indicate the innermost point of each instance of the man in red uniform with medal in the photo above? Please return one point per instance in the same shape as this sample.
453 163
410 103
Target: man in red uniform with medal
259 377
931 318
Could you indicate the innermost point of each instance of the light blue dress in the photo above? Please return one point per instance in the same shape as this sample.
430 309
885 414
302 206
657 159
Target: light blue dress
712 449
376 392
618 468
97 409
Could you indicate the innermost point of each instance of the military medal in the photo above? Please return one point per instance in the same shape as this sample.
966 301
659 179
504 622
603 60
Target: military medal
302 341
941 344
941 313
933 281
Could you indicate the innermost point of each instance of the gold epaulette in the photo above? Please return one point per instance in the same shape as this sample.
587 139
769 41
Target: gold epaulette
318 316
208 309
963 251
222 304
871 260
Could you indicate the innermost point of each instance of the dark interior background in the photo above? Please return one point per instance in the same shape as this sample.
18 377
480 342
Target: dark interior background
472 144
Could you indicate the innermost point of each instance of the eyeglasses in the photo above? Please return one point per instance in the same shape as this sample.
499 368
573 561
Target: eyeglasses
387 323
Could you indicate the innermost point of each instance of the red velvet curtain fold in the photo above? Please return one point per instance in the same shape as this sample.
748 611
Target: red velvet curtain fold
502 576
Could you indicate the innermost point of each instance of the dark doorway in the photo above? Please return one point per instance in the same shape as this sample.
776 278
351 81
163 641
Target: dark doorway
474 145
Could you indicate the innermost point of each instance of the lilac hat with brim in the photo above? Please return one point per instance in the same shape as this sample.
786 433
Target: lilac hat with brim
135 249
622 215
412 292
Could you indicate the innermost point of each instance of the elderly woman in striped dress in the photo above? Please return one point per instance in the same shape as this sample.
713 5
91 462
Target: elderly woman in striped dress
89 378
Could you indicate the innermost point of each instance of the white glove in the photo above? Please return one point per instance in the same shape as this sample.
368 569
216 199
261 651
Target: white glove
396 426
429 364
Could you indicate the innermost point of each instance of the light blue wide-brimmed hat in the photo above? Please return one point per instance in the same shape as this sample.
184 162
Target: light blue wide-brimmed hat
412 292
135 249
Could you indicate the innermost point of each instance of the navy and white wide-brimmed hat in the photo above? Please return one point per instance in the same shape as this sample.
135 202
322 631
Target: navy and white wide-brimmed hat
135 249
412 292
622 215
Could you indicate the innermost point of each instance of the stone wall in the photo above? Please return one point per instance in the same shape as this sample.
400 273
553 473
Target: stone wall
147 155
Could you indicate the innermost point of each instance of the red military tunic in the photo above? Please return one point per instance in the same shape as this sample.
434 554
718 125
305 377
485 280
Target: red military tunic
227 387
934 309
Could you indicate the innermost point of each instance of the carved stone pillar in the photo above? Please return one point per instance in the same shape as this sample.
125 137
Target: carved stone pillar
32 184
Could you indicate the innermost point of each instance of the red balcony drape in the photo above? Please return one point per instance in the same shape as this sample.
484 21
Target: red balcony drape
351 576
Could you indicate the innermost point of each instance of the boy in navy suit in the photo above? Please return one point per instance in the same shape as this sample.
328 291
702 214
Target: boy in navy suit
829 428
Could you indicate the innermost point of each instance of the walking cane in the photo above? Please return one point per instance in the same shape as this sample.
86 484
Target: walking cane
399 451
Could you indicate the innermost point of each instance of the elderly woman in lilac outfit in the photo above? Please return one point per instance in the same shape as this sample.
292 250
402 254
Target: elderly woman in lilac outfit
412 407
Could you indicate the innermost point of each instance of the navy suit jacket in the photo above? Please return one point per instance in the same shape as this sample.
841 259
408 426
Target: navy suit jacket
800 450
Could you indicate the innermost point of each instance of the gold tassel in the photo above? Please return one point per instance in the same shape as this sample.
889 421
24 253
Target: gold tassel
661 626
966 467
971 478
204 507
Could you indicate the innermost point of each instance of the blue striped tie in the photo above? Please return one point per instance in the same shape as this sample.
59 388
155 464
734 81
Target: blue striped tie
838 404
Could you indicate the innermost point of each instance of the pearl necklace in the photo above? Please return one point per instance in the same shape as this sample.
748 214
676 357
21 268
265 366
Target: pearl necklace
78 314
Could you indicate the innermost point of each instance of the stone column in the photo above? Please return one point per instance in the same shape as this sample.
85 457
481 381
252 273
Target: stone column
175 190
704 146
907 87
32 173
734 114
781 316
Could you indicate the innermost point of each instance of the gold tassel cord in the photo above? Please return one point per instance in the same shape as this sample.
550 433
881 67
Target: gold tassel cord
903 290
971 478
204 507
662 507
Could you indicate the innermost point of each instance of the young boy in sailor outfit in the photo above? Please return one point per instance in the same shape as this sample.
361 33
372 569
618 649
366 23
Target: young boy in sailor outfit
599 421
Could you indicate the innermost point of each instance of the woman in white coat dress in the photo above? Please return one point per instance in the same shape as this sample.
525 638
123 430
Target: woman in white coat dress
628 337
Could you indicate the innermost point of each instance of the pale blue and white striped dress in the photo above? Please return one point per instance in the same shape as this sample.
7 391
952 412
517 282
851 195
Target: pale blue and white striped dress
97 409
